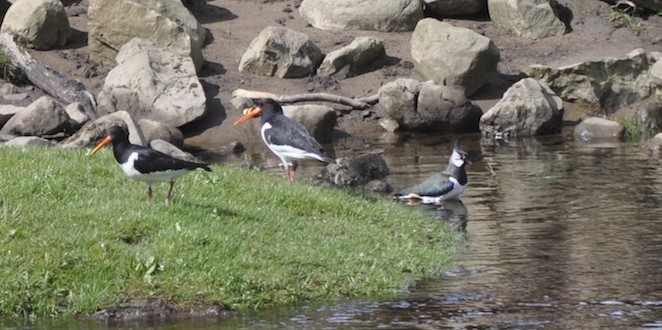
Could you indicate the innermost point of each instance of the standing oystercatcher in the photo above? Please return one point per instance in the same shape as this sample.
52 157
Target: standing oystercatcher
286 138
444 185
145 164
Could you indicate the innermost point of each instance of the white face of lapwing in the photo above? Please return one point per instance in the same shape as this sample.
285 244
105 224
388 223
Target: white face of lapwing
457 158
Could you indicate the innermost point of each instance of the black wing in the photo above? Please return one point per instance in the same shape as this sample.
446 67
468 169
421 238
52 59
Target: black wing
285 131
150 160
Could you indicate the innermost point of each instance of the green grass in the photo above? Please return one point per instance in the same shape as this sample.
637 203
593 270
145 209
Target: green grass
635 131
9 72
622 18
77 236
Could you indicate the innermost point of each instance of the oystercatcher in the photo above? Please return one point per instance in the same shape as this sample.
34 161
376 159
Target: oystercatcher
444 185
286 138
146 164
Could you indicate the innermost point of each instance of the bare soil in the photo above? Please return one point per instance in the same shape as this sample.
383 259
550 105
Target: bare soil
232 24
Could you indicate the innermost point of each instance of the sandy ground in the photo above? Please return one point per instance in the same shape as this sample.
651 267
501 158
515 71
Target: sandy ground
232 24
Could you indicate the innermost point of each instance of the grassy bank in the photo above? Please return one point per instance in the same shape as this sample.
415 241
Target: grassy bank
77 236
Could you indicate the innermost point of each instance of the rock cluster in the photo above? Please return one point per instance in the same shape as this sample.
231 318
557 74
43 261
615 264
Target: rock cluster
156 49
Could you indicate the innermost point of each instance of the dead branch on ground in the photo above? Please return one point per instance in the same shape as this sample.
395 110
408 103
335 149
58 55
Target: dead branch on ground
360 103
48 79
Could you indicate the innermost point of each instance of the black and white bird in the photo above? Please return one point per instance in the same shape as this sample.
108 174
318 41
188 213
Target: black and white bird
146 164
441 186
286 138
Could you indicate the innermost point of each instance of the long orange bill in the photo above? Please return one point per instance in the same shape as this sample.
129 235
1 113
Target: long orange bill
252 113
103 143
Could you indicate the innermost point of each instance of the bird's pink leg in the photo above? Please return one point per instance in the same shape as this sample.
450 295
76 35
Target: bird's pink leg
291 172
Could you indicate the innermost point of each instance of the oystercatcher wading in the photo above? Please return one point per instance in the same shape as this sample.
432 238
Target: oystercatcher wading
286 138
146 164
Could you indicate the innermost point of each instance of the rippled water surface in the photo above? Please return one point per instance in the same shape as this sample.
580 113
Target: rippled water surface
559 235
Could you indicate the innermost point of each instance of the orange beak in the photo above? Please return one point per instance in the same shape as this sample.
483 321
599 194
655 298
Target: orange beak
103 143
253 112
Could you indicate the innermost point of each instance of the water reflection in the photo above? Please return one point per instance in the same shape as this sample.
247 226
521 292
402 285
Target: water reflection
560 235
453 212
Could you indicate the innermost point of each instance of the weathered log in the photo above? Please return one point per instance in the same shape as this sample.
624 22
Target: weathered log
48 79
360 103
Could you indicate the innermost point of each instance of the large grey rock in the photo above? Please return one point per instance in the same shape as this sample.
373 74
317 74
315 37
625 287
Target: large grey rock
453 56
605 85
153 83
418 106
167 23
39 24
29 141
352 59
172 150
654 146
77 115
453 8
43 117
596 128
357 171
527 108
7 111
379 15
281 52
532 19
93 132
156 130
319 120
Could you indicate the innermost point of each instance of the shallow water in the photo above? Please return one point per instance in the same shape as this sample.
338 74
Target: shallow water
559 234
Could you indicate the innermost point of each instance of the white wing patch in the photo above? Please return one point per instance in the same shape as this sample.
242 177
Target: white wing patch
455 193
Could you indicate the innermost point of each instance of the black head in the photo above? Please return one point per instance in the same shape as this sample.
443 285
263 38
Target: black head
118 133
266 108
269 108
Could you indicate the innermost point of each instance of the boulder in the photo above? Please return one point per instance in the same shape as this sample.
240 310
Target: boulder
527 108
352 59
38 24
656 78
77 115
649 117
654 146
418 106
29 141
7 111
153 83
166 23
43 117
319 120
596 128
378 15
453 56
155 130
604 85
357 171
453 8
532 19
170 149
93 132
281 52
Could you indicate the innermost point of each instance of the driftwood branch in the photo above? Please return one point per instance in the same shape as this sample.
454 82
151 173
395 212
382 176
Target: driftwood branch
48 79
360 103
